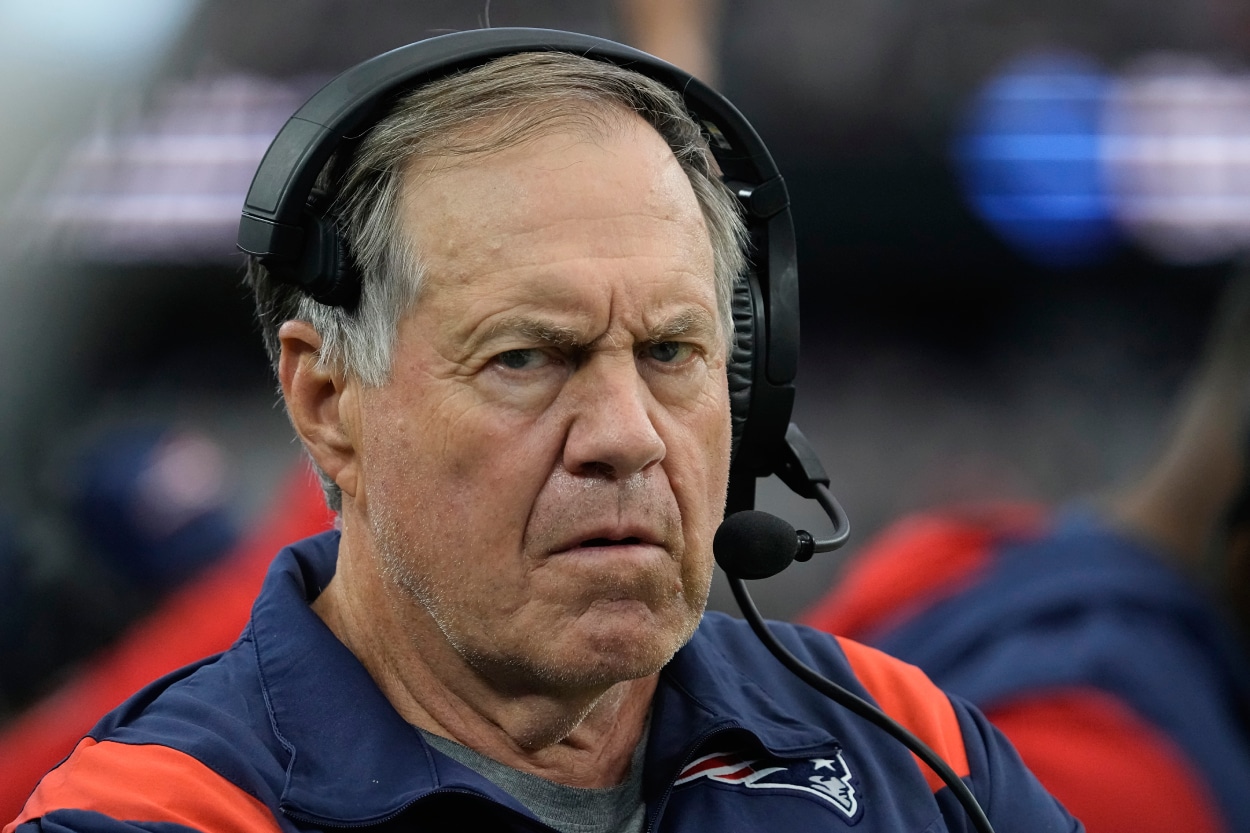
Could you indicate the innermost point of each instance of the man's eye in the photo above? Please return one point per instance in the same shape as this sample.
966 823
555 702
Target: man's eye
669 351
519 359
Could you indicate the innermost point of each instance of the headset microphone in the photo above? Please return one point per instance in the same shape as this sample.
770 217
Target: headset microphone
754 545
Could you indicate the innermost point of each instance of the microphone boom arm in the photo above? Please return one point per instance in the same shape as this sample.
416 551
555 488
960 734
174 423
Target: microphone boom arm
802 472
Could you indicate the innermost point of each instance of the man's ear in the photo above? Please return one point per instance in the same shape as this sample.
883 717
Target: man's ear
321 403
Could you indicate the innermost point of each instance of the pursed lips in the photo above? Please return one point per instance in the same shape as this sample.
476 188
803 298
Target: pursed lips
608 538
619 562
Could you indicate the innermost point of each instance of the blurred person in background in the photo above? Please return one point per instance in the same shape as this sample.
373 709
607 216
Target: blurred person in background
130 512
153 500
1106 638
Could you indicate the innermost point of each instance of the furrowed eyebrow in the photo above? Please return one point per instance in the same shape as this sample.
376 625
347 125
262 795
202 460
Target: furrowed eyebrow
535 330
688 323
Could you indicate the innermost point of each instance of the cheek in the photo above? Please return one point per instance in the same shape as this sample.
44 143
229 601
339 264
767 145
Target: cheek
476 466
699 468
712 429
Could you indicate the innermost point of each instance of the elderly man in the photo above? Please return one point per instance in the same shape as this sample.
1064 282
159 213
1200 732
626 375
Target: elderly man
524 423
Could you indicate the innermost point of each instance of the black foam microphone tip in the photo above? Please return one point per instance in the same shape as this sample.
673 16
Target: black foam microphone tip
752 544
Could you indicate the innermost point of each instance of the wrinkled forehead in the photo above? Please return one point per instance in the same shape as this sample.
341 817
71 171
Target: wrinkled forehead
585 232
558 203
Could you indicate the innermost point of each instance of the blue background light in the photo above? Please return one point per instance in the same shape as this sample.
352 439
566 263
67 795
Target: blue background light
1028 155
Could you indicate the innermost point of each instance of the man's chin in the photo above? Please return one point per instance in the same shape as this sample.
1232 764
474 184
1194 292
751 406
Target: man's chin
627 640
615 645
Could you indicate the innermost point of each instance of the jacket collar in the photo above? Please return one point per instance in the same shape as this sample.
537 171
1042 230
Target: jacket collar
354 760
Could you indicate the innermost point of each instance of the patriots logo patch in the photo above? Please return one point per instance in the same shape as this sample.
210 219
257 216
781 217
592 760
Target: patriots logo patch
828 778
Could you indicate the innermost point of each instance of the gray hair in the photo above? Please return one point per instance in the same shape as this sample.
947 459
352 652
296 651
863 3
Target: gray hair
486 109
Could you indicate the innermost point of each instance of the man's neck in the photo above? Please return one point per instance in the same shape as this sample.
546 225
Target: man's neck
582 738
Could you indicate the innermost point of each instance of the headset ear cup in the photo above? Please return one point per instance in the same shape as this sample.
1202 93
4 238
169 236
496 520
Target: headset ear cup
326 271
741 366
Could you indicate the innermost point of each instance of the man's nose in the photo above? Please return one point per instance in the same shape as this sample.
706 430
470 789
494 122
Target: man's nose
612 430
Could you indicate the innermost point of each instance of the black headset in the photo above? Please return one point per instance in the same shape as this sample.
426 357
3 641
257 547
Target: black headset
286 226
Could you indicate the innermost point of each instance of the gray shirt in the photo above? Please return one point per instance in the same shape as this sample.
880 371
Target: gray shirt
618 809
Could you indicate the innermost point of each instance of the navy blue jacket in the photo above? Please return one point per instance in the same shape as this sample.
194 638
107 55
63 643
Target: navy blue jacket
286 731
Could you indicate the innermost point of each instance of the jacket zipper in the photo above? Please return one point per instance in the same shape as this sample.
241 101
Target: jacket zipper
654 818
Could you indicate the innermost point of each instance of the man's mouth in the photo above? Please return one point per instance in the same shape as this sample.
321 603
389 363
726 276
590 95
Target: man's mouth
607 537
610 542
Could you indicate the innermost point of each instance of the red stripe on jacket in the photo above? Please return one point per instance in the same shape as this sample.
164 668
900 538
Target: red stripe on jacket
904 693
146 783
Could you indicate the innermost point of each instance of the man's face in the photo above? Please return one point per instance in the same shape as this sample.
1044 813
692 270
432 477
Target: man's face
545 470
